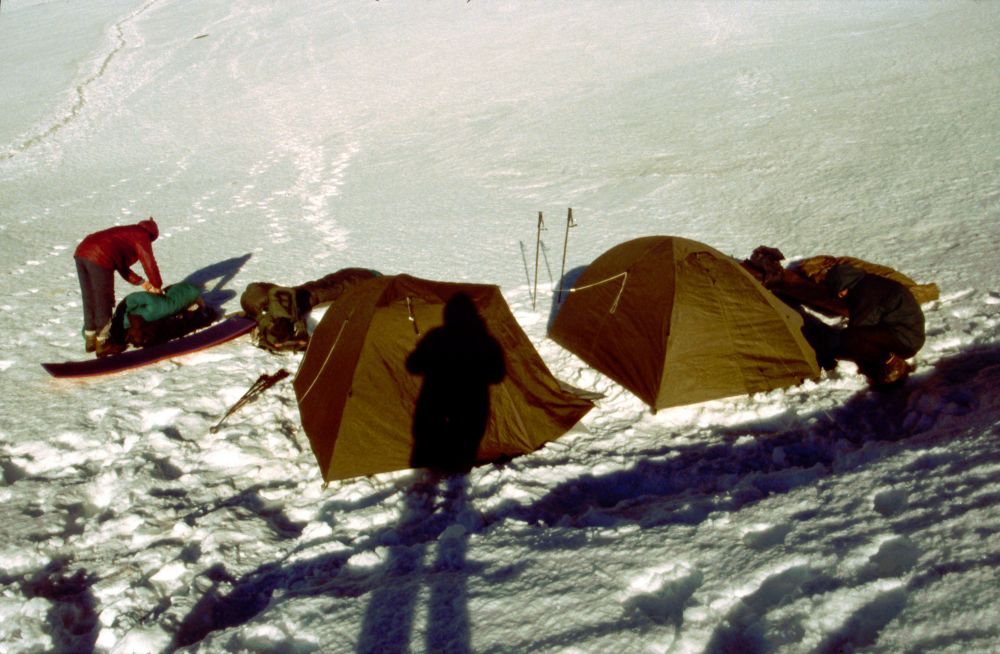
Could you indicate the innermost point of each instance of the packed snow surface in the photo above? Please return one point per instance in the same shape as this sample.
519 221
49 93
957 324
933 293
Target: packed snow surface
281 141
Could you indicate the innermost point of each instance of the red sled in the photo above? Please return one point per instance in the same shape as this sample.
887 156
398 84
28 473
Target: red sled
218 333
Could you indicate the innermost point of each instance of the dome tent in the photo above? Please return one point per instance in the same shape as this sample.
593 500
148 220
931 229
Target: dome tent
677 322
370 386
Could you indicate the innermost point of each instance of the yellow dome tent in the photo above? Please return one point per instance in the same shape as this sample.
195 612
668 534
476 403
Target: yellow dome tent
677 322
404 372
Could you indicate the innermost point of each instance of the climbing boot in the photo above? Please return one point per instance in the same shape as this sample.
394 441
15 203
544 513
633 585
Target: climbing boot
89 340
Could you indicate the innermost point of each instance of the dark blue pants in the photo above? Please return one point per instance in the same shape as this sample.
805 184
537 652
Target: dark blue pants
870 345
97 286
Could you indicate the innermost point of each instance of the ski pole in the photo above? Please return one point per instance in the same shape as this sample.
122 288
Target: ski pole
562 271
538 246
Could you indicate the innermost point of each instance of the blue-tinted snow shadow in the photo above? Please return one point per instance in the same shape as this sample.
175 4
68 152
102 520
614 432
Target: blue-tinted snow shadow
221 273
684 485
72 621
432 506
672 484
562 291
249 501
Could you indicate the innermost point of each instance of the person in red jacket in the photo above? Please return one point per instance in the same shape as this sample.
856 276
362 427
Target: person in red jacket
98 257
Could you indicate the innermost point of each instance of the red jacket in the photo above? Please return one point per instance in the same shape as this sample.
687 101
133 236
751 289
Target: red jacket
120 247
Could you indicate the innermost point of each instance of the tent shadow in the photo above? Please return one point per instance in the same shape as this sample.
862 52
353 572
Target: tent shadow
224 272
779 457
782 454
684 489
561 292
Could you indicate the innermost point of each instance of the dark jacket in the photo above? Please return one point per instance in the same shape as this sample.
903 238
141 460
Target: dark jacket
876 301
118 248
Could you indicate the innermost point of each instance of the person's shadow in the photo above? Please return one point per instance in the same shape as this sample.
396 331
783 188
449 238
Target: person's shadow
459 361
72 621
431 516
670 483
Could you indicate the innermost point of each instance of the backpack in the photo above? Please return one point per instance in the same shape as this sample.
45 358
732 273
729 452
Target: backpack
281 325
281 311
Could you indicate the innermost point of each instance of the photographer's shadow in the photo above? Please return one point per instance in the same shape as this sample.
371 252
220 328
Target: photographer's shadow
458 361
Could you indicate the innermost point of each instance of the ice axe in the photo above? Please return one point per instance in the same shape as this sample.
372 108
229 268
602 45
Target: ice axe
264 382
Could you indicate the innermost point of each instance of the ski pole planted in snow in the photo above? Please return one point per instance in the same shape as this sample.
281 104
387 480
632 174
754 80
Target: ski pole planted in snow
538 246
562 271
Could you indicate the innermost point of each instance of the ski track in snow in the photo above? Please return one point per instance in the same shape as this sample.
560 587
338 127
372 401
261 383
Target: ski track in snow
118 42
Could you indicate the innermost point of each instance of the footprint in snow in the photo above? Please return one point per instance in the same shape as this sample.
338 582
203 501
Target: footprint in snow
895 557
661 595
925 409
748 627
890 502
766 537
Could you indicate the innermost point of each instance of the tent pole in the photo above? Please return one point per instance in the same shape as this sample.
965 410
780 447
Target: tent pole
562 271
538 245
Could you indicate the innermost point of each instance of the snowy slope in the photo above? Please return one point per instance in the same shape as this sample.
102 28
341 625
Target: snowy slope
282 141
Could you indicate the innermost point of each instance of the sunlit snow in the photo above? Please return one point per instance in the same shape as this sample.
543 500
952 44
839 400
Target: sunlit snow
281 141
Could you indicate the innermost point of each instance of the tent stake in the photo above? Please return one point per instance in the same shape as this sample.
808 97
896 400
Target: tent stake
562 271
538 245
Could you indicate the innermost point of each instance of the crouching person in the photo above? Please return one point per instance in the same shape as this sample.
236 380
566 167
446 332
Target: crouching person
885 324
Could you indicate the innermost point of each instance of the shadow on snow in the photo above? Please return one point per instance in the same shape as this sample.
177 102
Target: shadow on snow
72 620
678 485
224 272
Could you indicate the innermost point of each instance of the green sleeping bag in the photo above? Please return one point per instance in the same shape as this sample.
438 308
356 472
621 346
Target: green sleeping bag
153 306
